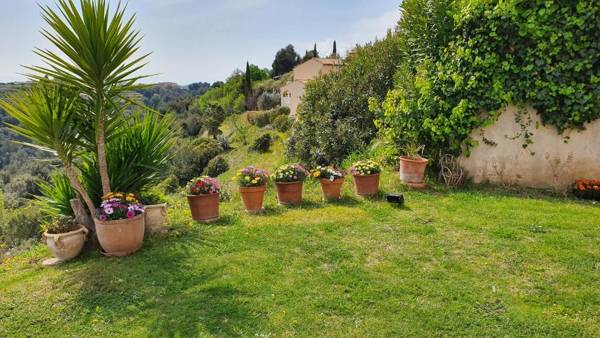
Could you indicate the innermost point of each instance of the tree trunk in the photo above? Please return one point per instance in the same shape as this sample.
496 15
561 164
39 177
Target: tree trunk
81 215
79 188
102 165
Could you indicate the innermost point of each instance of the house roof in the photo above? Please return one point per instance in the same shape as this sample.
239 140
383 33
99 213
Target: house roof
329 61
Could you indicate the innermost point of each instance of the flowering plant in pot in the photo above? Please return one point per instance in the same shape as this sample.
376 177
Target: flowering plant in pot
120 224
203 198
366 177
65 239
587 189
288 179
413 165
252 182
331 181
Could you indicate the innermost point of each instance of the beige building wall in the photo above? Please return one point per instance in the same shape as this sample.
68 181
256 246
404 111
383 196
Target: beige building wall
549 162
291 95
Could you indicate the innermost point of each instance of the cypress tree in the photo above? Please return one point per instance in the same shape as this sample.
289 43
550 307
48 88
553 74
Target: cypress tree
334 49
248 86
315 53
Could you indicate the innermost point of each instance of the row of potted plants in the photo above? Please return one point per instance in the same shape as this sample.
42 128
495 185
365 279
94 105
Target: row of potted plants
204 191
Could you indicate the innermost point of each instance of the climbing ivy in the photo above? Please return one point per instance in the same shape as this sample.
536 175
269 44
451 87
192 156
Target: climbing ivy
538 53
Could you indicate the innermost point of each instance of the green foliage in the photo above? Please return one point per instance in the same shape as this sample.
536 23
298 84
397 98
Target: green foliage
229 96
543 54
153 196
263 143
282 123
60 225
268 100
18 225
138 157
56 195
191 156
216 166
285 61
265 118
211 119
334 120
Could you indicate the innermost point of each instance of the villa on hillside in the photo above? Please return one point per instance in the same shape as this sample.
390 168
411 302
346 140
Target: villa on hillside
291 94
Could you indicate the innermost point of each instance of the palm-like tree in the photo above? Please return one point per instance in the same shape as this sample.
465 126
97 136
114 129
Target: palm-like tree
96 56
46 116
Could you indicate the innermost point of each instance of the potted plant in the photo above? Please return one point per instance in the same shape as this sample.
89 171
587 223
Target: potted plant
65 238
412 166
288 179
252 182
120 224
587 189
331 181
155 212
366 177
203 198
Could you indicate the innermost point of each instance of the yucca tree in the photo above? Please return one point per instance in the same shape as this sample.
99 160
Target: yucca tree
97 55
47 117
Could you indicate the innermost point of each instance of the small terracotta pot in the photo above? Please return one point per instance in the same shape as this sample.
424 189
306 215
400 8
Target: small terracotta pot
205 208
289 193
65 246
155 218
253 198
122 237
367 185
412 170
332 190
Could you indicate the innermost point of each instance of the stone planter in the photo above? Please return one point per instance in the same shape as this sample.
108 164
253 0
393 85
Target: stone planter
204 208
332 190
121 237
65 246
289 193
367 185
253 198
412 171
155 218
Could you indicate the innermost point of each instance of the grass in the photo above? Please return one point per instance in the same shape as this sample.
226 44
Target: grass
469 262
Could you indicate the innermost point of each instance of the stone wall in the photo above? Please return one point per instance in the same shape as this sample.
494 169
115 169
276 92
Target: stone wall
552 161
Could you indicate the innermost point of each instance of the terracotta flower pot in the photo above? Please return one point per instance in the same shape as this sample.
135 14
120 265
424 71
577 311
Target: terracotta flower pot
121 237
332 190
367 185
155 218
205 208
412 170
289 193
65 246
253 198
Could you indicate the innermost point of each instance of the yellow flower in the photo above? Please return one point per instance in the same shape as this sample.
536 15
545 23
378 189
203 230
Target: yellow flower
317 174
247 178
254 181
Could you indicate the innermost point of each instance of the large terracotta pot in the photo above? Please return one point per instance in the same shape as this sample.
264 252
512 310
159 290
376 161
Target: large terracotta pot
253 198
122 237
412 170
205 208
367 185
289 193
332 190
155 218
65 246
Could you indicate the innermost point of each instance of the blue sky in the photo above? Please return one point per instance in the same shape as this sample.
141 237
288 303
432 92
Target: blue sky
201 40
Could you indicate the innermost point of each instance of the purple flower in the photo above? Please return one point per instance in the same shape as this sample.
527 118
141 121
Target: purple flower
102 218
130 214
108 210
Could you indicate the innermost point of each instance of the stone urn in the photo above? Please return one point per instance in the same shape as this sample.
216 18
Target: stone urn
155 218
65 246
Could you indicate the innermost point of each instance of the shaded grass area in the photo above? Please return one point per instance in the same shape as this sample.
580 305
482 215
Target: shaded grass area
466 262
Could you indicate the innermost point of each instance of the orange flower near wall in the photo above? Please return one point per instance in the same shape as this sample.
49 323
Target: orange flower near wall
587 189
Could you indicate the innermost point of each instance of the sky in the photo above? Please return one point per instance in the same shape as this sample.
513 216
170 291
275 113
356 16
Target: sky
202 40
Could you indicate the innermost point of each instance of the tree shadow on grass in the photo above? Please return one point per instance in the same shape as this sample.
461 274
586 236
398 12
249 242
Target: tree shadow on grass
169 288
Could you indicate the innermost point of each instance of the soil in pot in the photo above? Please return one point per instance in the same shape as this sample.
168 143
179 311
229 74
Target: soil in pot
121 237
253 198
332 190
155 218
65 246
367 185
204 208
412 171
289 193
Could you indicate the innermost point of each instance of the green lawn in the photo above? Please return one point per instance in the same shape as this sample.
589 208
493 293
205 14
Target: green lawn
468 262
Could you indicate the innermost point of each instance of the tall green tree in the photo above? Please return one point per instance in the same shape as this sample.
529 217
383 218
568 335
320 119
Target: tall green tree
98 57
285 60
248 85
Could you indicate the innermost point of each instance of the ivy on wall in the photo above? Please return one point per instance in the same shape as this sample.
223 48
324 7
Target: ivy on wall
544 54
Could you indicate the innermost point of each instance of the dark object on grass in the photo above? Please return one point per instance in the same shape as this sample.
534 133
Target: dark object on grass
397 199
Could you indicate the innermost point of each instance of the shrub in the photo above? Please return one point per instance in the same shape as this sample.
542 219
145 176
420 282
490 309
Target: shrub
334 119
19 225
192 156
283 111
263 143
260 119
216 166
268 100
282 123
56 195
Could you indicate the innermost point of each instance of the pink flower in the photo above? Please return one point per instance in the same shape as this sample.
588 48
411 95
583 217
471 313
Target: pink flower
130 214
102 218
